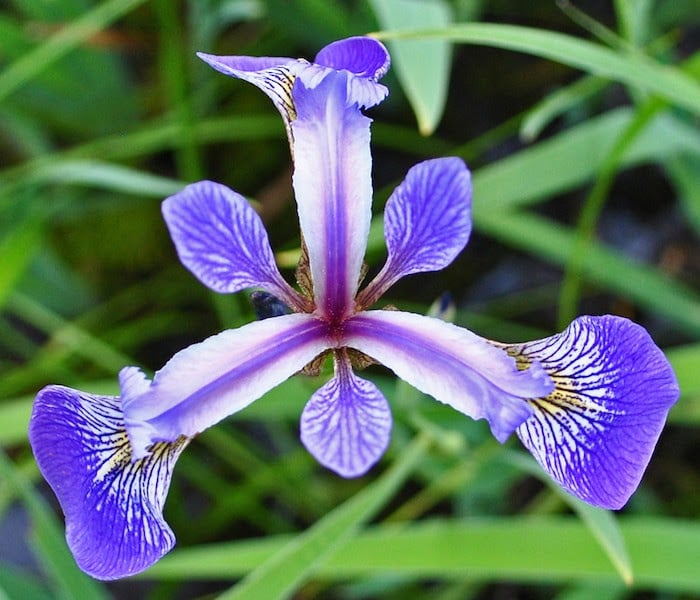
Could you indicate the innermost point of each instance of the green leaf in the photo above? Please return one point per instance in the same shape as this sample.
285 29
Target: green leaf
602 265
62 42
281 573
665 81
544 550
48 541
422 66
17 248
554 166
685 361
107 176
602 524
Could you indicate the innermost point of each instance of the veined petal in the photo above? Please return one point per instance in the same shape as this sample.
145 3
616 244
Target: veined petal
450 363
594 434
274 76
333 187
223 242
346 424
427 222
366 58
113 506
206 382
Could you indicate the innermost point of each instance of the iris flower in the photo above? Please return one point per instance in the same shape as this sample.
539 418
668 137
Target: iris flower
588 403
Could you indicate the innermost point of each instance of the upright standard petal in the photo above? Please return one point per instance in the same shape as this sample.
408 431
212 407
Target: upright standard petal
594 434
332 182
451 364
362 56
346 424
427 222
113 506
203 384
223 242
366 58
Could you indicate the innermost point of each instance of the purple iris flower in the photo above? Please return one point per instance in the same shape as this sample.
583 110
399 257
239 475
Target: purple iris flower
589 403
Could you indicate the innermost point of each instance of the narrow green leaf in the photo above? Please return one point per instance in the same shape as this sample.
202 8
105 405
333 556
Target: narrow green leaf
685 361
555 165
665 81
602 265
684 171
48 541
664 553
62 42
280 574
102 175
602 523
422 66
17 248
557 103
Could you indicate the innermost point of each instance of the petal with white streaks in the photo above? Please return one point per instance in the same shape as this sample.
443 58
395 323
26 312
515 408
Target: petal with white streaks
223 242
113 506
427 222
346 425
595 433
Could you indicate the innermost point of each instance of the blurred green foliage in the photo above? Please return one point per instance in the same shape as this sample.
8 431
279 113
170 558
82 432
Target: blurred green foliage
580 121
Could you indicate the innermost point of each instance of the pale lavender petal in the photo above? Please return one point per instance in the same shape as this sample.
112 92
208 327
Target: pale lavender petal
332 181
221 239
595 433
427 222
274 76
206 382
113 506
450 363
346 425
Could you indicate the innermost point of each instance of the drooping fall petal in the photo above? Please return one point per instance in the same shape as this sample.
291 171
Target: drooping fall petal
113 506
594 434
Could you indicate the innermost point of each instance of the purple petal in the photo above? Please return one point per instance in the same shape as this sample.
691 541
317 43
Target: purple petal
113 507
362 56
427 222
221 239
203 384
274 76
346 425
332 181
594 434
451 364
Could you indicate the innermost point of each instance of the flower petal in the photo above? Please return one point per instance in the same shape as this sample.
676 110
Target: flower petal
346 425
364 57
450 363
594 434
332 181
203 384
274 76
222 241
113 506
427 223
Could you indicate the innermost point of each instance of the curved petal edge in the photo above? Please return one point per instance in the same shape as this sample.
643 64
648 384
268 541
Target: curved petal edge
595 433
346 425
113 505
